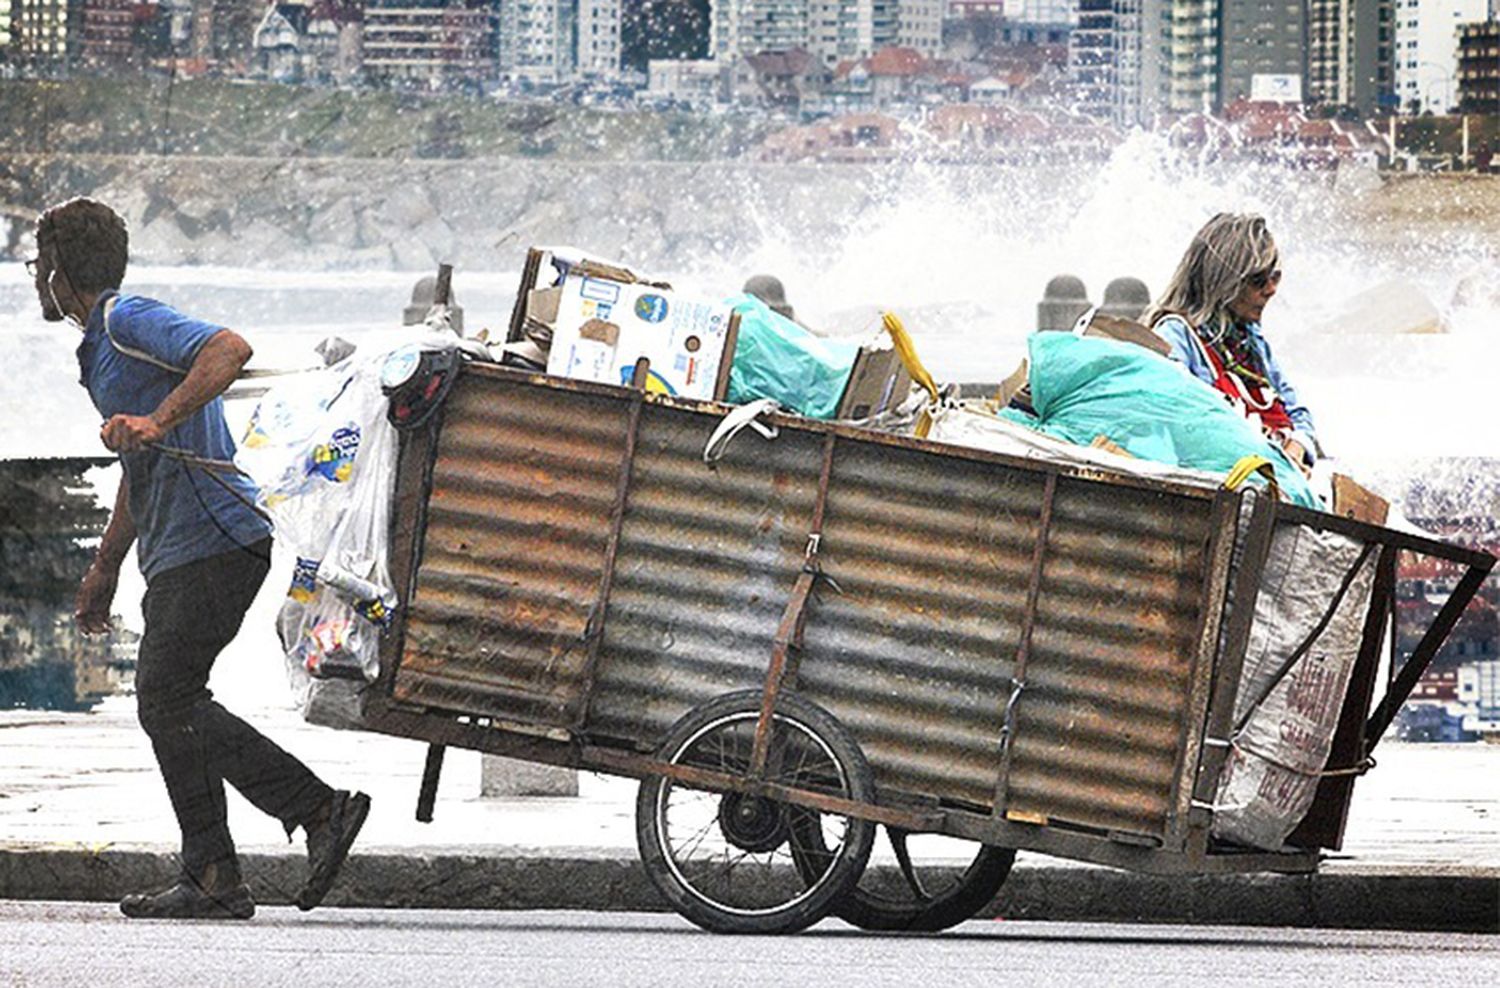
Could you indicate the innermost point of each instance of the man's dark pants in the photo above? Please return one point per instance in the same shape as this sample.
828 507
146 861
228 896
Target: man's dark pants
192 612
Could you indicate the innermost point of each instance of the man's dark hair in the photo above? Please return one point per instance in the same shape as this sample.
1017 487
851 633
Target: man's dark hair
89 242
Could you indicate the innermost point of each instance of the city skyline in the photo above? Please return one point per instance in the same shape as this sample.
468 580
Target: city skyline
1129 62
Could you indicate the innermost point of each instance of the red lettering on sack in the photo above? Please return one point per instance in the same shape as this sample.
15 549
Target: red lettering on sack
1298 737
1312 691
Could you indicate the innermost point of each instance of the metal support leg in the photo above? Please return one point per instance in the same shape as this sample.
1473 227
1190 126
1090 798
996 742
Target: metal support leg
430 773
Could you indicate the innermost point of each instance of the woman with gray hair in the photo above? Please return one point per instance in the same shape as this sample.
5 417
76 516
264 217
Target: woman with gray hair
1210 316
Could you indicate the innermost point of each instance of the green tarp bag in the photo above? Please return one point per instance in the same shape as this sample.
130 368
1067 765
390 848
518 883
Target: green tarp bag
1083 387
776 358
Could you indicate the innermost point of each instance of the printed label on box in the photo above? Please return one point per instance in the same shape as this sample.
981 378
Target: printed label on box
600 290
589 360
651 308
682 339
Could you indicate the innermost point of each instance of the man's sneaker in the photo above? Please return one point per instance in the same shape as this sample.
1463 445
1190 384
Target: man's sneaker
186 900
328 845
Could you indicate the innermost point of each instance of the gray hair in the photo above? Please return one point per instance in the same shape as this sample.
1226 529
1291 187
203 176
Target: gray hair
1229 249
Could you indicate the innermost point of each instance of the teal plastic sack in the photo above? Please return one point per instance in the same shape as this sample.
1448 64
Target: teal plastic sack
776 358
1083 387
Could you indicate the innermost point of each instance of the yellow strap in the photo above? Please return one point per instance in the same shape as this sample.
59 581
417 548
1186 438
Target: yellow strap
1246 467
907 351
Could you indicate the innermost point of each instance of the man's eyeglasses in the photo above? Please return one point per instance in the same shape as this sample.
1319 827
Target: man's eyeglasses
31 263
1261 279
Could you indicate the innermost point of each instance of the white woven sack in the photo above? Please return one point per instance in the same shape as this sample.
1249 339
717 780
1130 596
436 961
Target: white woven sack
1276 759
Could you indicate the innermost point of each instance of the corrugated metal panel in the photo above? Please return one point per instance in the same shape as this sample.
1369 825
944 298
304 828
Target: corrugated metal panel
914 652
706 563
517 525
1098 726
915 656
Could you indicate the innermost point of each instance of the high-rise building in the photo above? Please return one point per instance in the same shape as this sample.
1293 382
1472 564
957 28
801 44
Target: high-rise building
832 30
42 30
1044 11
1132 41
746 27
429 41
1191 69
1146 63
553 41
599 38
534 40
1165 57
1091 59
1350 54
1197 56
837 31
1259 38
108 33
1133 61
1479 66
919 25
1427 51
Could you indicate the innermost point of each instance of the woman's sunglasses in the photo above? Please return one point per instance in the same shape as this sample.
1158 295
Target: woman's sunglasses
1261 279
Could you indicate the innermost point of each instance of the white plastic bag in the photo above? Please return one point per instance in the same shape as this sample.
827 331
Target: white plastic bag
324 457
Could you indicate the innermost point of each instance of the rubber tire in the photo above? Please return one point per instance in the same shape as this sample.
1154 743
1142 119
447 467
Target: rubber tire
981 881
854 853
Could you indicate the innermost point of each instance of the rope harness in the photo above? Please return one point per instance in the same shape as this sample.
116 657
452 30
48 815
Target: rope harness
215 469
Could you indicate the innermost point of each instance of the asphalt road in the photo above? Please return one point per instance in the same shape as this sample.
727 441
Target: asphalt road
75 945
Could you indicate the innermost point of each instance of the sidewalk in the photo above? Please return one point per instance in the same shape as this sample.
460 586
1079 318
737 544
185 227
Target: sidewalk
83 815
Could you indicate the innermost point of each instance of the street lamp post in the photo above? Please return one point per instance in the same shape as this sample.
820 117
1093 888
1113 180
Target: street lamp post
1426 84
1447 81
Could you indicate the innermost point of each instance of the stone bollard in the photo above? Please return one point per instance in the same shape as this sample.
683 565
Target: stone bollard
1063 301
769 289
1126 298
422 294
501 777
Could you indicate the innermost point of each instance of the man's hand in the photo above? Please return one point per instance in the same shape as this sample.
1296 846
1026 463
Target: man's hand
130 432
95 595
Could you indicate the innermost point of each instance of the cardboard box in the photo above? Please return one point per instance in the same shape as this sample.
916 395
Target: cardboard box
1016 388
1105 443
878 382
541 305
1353 501
598 320
604 327
1127 331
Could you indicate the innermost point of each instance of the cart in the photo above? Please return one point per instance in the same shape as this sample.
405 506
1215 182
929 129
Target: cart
837 630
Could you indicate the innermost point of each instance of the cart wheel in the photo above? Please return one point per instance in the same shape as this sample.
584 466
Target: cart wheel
927 890
727 861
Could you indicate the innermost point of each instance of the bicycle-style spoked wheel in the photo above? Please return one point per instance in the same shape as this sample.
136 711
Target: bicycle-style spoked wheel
727 861
928 882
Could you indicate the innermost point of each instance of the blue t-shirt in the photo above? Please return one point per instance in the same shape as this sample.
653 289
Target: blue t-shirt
181 513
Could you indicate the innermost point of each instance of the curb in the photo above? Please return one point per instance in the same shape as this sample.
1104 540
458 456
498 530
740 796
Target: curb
522 879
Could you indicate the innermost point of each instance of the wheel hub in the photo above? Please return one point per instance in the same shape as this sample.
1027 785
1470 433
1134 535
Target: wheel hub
752 823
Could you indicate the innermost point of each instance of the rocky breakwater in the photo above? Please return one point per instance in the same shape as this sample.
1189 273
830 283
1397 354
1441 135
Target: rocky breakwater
348 213
367 214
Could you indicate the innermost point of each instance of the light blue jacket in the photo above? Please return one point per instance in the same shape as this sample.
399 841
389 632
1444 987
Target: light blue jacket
1179 335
